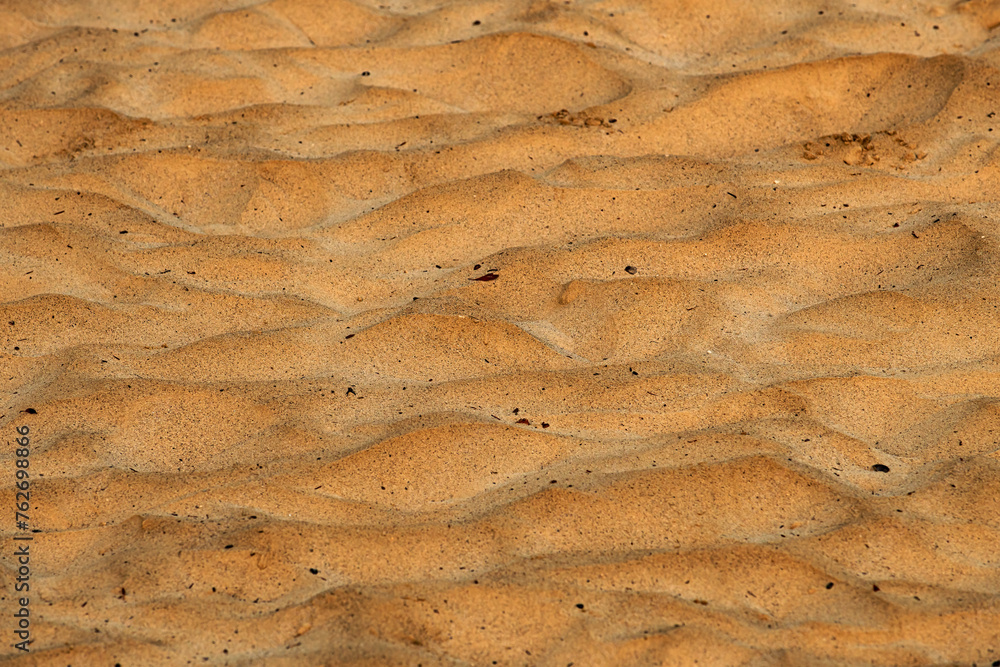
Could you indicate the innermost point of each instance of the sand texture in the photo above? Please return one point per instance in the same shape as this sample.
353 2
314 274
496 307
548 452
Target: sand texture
502 333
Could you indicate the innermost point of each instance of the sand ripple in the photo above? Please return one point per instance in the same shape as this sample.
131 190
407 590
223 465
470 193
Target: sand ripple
520 333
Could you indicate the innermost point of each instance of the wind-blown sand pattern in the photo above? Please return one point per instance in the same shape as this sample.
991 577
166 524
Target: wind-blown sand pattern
514 333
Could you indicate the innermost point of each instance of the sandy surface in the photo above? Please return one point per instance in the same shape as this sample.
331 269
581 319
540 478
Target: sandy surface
514 333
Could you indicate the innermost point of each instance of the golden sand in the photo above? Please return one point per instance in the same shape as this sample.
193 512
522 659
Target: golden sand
513 333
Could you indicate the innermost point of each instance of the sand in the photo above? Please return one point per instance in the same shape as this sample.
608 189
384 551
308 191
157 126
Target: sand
502 333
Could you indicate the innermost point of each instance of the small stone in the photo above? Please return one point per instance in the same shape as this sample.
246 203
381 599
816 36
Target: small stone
571 292
878 467
631 270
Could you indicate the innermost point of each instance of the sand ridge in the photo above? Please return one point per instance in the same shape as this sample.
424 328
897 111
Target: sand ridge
522 333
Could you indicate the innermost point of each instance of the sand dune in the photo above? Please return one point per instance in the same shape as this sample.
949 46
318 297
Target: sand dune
514 333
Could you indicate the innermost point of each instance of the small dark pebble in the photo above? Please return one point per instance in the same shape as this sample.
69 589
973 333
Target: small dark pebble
878 467
522 420
631 270
486 278
876 588
544 425
829 586
350 390
31 411
579 605
313 570
366 74
476 267
348 336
